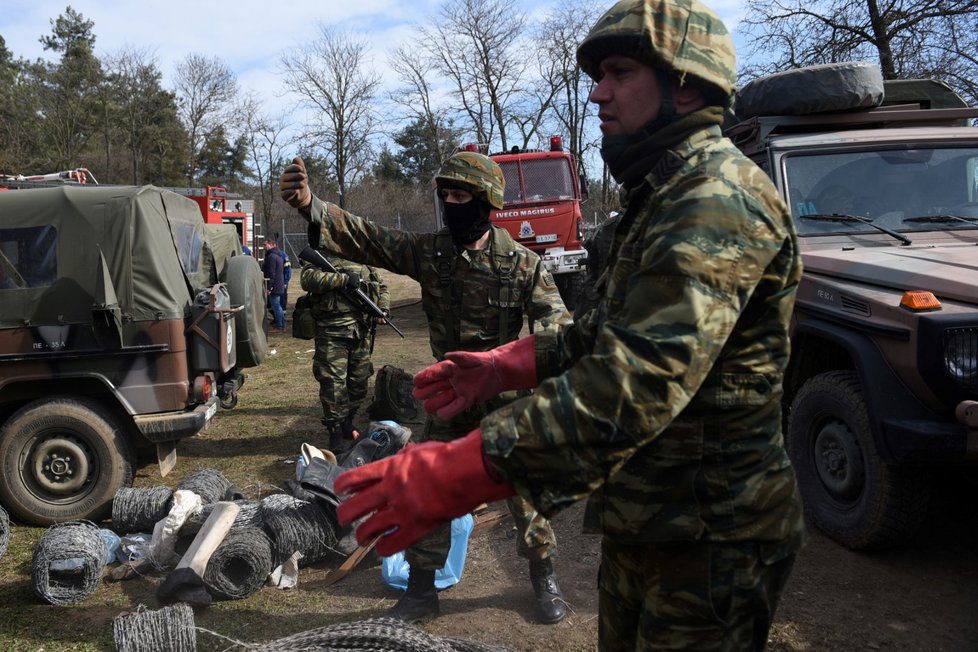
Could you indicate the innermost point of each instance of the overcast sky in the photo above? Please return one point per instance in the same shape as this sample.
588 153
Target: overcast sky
249 36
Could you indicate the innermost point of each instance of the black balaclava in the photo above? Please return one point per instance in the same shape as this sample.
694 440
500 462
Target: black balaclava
466 222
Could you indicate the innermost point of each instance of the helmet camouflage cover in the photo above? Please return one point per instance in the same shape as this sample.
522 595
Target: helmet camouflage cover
476 173
680 36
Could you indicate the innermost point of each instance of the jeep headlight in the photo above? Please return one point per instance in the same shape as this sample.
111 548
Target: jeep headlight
961 353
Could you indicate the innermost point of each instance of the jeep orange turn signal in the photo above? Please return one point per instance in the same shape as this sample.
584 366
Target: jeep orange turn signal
920 300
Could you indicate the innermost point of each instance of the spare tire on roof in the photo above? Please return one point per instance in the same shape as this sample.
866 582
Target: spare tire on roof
813 89
246 287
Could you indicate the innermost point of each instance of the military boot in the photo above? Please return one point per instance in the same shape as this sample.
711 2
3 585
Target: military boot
551 607
340 436
420 601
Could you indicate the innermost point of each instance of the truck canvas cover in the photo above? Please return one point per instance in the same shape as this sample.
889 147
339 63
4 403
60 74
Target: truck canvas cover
72 249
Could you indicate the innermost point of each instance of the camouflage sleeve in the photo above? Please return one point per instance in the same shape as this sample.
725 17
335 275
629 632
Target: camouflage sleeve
546 312
362 241
316 280
680 282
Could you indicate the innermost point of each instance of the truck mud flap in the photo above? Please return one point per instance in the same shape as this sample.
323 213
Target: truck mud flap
166 456
176 425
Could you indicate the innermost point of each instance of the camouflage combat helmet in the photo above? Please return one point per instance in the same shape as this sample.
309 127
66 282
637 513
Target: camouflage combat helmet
680 36
476 173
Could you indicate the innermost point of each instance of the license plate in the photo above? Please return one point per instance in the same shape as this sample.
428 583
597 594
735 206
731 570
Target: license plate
211 411
550 237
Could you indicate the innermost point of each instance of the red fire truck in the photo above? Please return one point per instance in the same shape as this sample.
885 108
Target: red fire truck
542 210
215 205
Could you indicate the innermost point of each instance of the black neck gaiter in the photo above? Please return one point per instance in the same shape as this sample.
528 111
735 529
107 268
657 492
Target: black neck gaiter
466 222
631 156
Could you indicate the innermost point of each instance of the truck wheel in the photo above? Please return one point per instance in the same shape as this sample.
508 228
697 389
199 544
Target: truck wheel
848 491
62 459
570 287
246 288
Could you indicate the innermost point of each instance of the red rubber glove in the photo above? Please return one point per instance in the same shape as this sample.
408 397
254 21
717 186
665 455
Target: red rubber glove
409 494
463 378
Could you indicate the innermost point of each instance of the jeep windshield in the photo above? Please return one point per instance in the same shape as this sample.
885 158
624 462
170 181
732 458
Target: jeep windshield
903 190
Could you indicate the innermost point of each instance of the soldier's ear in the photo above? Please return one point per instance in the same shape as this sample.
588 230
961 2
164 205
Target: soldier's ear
687 98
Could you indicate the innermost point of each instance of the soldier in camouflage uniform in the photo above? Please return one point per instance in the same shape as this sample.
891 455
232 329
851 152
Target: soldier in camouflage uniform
477 285
344 339
664 402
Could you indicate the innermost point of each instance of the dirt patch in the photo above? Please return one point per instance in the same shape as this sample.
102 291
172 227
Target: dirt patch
921 597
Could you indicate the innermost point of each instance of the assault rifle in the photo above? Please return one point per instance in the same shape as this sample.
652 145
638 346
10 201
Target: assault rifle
357 296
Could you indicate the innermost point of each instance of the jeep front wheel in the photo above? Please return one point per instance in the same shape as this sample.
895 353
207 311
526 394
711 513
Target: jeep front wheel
848 491
62 459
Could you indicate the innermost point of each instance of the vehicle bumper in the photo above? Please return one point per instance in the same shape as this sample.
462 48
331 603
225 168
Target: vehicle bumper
564 262
935 441
176 425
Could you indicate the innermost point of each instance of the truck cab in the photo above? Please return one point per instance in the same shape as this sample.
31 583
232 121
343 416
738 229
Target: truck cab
881 391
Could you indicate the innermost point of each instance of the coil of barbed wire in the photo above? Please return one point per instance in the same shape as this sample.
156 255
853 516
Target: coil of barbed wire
376 634
277 502
137 509
304 527
209 484
4 531
170 629
249 515
67 563
240 565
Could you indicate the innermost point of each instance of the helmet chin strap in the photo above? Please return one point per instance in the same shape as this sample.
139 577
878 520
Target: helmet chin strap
667 109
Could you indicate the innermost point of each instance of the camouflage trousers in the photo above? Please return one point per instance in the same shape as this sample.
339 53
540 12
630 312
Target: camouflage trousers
690 596
536 540
343 368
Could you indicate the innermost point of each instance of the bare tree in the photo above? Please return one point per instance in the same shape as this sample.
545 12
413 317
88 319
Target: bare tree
418 98
478 47
910 38
268 142
207 90
331 77
558 35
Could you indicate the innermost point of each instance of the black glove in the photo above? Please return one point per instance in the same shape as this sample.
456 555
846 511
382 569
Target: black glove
318 480
294 185
352 280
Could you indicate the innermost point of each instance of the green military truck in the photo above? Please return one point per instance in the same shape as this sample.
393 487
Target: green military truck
125 322
882 386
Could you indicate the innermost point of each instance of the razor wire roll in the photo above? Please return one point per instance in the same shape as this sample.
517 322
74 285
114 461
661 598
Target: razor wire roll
4 531
240 565
305 527
388 634
137 509
67 563
209 484
170 629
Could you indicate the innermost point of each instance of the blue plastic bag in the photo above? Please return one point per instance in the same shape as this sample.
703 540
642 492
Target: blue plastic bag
395 569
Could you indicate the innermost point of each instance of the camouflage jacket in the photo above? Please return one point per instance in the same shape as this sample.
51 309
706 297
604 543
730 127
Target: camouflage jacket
473 301
669 399
333 312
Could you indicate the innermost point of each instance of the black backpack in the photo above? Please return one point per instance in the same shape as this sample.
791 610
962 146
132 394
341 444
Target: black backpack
392 397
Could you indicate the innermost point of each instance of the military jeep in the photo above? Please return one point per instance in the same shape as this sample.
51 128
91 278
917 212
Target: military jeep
125 322
882 384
